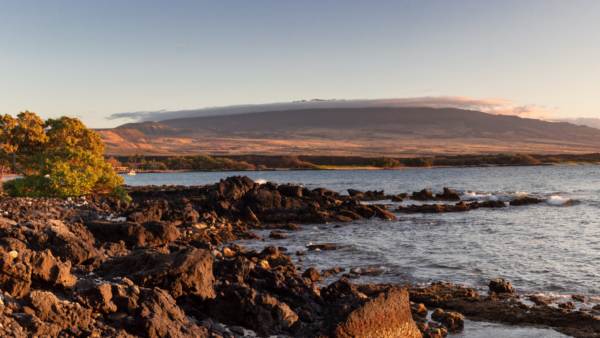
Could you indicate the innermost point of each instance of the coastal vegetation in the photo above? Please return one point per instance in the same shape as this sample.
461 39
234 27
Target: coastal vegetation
384 162
206 163
56 158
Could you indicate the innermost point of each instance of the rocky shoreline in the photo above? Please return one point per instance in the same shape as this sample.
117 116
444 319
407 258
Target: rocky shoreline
164 265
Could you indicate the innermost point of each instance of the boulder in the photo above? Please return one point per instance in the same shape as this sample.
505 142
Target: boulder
355 193
98 298
151 233
387 314
423 195
501 286
49 270
152 210
15 275
262 199
240 305
185 272
156 315
64 314
65 244
447 195
526 201
312 274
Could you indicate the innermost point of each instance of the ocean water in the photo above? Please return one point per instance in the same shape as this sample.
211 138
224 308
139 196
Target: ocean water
552 248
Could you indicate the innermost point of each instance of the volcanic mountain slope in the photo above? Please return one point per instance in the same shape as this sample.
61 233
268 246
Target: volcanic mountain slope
361 131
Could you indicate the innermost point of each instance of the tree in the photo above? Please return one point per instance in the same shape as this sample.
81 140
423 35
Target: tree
384 162
295 162
64 160
21 138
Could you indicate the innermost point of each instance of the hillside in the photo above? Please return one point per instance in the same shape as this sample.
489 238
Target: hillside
154 128
362 131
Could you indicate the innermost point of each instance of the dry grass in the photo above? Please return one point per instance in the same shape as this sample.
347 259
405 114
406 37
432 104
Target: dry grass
399 147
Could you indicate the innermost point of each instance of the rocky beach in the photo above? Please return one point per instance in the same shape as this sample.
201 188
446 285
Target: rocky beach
170 264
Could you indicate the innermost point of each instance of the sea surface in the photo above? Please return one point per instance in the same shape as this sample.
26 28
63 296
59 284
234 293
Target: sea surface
552 248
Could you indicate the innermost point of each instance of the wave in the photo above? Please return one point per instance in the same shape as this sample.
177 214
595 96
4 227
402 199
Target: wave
557 200
261 181
507 197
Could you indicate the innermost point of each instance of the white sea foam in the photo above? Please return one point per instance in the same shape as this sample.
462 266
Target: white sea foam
261 181
557 200
477 196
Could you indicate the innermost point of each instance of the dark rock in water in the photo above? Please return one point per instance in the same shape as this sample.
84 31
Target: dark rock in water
355 193
277 235
567 305
453 321
578 298
323 247
501 286
185 272
397 198
487 204
403 195
525 201
313 274
423 195
333 271
151 233
388 314
375 193
419 309
434 208
447 195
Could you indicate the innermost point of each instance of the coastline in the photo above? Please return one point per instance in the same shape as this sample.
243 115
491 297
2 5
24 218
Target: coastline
184 248
358 168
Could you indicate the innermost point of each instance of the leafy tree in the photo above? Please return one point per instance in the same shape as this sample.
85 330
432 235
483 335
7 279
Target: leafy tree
418 162
21 139
295 162
64 160
384 162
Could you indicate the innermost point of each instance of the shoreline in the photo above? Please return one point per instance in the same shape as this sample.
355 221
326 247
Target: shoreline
181 247
360 168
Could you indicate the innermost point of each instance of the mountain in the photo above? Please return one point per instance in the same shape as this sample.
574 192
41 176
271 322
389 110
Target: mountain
154 128
363 131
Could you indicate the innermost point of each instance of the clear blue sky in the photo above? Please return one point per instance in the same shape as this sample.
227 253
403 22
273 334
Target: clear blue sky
91 59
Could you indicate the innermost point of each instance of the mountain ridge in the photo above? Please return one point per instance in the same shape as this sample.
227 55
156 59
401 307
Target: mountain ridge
367 131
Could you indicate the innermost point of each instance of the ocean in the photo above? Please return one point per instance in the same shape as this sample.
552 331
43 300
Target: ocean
552 248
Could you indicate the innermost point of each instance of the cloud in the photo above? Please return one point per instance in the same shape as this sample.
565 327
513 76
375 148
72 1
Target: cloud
492 106
179 45
425 90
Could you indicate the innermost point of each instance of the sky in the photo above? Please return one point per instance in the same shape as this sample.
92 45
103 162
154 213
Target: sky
97 60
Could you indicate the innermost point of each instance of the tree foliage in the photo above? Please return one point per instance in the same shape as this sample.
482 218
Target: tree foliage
58 158
295 163
419 162
206 163
384 162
